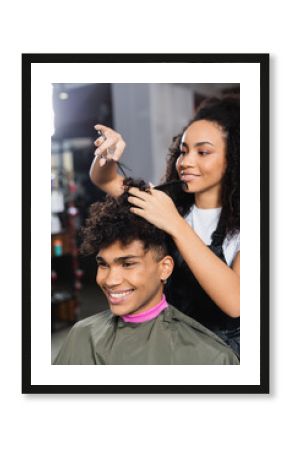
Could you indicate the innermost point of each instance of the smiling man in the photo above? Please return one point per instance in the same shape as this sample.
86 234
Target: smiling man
133 264
131 277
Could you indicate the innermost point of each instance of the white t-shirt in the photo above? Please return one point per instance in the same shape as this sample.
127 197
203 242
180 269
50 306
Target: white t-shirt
204 223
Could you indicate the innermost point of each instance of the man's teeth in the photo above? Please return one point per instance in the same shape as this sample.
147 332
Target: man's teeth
120 294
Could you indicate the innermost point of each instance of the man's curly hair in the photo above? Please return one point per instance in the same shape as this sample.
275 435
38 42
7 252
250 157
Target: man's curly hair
225 112
111 221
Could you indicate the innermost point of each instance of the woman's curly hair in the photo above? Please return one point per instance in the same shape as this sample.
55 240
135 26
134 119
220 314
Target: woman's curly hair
225 112
111 221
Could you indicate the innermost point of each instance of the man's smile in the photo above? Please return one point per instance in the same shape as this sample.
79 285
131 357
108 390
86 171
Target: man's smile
118 296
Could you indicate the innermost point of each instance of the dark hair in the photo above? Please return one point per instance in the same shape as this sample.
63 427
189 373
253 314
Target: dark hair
225 112
111 221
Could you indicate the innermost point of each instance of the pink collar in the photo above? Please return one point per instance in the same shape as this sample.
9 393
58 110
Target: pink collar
147 315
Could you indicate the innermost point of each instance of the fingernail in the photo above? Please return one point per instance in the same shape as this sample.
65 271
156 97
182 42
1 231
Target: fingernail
102 162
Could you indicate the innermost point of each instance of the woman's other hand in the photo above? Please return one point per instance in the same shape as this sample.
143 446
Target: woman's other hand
156 207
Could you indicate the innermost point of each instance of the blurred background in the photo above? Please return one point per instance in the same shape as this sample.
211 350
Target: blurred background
147 116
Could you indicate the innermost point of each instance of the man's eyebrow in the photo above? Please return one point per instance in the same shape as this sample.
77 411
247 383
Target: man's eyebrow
99 259
119 259
124 258
197 144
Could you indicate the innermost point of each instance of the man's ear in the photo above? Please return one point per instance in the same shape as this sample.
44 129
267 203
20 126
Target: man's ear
166 266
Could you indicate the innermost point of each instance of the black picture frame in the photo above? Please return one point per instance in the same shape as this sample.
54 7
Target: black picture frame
247 58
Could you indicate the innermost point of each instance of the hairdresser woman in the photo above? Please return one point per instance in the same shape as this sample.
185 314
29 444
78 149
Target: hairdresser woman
204 218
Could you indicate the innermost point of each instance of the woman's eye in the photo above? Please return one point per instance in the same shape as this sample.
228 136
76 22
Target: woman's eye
181 149
203 153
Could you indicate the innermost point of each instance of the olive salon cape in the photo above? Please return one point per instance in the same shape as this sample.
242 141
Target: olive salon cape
170 338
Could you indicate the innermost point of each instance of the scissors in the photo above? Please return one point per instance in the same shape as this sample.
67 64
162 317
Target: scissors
121 166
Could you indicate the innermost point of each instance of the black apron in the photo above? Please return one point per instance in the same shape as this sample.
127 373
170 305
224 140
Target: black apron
185 293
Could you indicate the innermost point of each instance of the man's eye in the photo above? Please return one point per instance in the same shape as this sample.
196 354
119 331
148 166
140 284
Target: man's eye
102 265
128 264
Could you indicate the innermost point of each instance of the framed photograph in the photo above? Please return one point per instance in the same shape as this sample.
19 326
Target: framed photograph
149 99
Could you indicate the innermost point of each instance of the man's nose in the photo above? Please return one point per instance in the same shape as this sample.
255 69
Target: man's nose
113 277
